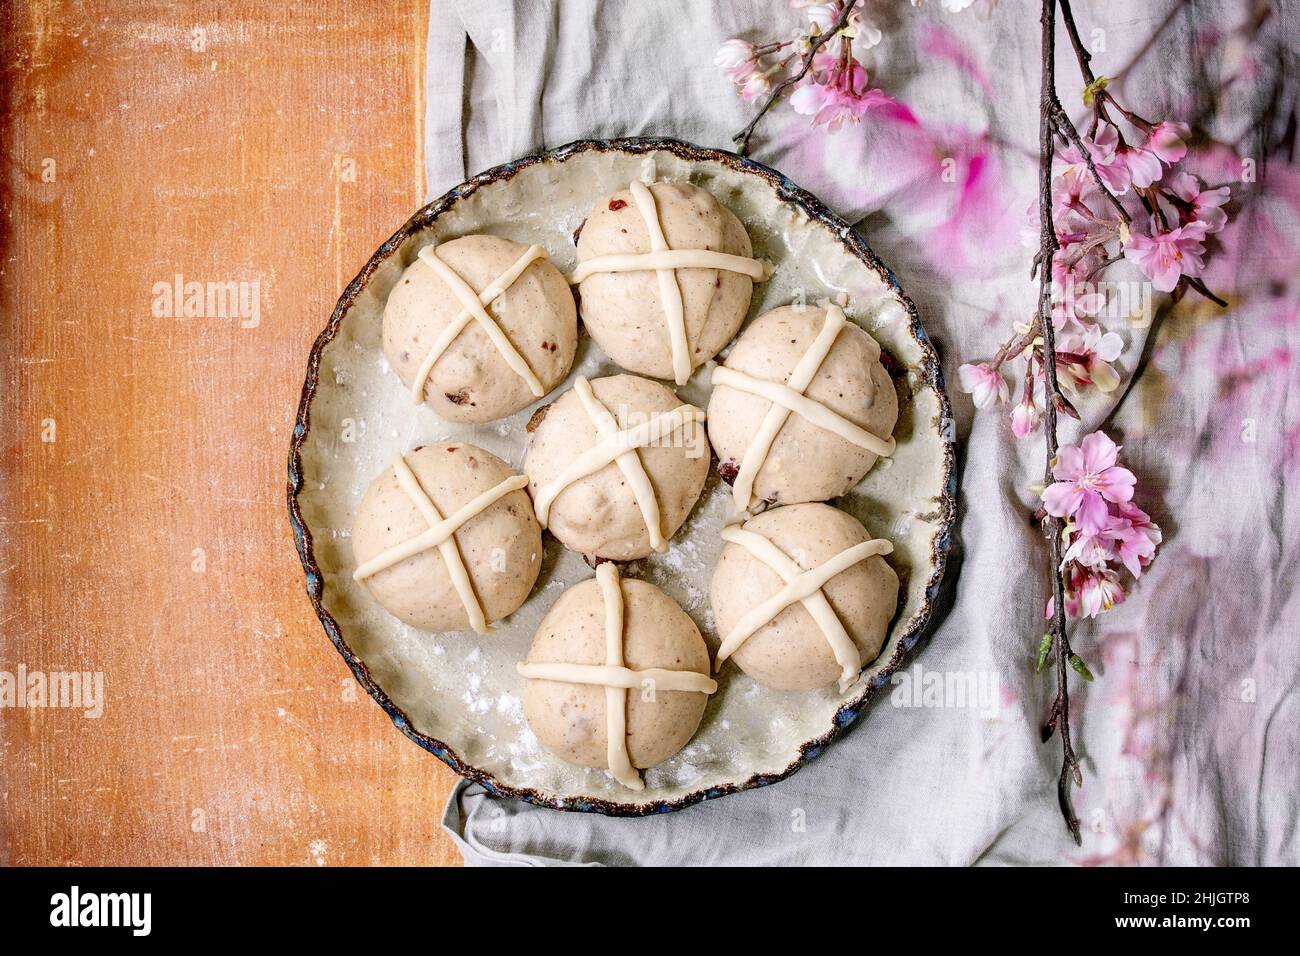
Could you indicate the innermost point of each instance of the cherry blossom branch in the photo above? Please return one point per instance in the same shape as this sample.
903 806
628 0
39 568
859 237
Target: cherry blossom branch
1059 717
1102 98
1094 531
744 135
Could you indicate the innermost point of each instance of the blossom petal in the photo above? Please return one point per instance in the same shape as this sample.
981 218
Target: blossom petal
1104 140
1115 176
1062 498
1109 346
1069 463
1165 276
1092 513
1090 596
1144 167
1116 484
1183 185
807 100
1099 452
1167 141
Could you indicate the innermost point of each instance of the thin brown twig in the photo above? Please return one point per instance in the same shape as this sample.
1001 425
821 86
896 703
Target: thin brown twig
744 135
1059 718
1016 344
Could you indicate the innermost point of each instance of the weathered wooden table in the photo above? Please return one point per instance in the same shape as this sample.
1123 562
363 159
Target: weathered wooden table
261 151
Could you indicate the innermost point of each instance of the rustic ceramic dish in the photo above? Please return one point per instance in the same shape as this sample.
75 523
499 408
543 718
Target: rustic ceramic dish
457 694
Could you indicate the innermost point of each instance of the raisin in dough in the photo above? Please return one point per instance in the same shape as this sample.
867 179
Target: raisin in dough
618 676
630 505
626 313
825 633
807 461
498 545
473 379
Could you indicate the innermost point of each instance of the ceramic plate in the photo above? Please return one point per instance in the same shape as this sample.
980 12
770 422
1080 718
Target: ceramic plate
457 694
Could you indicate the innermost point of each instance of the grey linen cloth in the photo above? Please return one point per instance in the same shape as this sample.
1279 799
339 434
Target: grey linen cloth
1190 737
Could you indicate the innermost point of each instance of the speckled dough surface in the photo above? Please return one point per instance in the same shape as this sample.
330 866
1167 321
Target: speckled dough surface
791 653
570 719
624 312
850 382
471 381
598 515
501 547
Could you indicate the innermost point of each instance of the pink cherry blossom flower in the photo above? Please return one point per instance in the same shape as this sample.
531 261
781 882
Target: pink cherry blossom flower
1110 165
1105 151
1099 591
1067 193
1090 550
1205 203
738 59
1074 191
1168 142
843 97
757 86
985 384
1165 257
1135 536
1085 358
1069 168
1025 417
1087 477
1129 536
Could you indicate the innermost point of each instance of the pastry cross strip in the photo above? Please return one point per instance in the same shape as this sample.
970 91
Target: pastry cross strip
440 535
618 445
791 398
618 679
664 261
473 309
804 587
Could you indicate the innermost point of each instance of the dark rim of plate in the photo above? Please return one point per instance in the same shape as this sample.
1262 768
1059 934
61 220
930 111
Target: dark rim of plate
929 371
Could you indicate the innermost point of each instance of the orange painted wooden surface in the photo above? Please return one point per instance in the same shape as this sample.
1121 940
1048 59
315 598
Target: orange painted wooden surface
144 529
